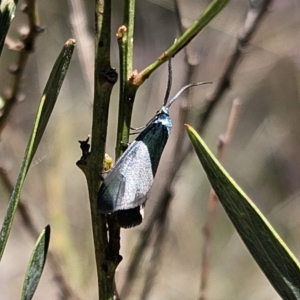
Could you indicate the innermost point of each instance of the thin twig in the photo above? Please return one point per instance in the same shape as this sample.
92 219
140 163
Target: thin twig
143 243
224 140
85 42
157 250
127 95
25 47
104 79
257 10
210 12
125 41
66 292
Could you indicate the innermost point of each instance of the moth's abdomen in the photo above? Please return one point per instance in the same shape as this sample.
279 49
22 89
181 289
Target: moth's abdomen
129 217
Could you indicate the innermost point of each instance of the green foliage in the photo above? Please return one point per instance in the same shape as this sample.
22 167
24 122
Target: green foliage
36 264
46 106
45 109
7 13
267 248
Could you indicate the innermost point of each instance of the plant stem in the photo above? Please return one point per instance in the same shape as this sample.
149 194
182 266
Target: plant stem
257 11
25 49
105 78
127 94
211 11
85 41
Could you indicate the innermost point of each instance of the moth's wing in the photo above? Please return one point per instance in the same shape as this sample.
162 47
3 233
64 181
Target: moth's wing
128 182
111 188
141 170
154 137
113 185
151 144
140 178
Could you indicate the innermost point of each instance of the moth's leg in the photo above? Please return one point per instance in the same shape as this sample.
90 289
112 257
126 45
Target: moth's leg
124 146
137 129
107 163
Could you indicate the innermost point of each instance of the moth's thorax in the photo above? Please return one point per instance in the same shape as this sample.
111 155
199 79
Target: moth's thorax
163 117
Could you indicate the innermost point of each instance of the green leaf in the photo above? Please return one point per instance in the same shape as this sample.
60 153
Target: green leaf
46 106
36 264
7 13
270 252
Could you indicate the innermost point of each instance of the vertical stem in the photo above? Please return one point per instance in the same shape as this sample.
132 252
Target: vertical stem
27 48
127 91
105 78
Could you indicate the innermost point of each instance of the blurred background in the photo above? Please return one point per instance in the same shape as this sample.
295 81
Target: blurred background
263 155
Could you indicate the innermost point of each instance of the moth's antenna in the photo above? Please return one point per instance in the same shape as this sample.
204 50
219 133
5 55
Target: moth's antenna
185 88
169 82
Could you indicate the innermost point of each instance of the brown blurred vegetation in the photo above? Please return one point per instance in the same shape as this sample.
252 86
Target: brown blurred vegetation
263 157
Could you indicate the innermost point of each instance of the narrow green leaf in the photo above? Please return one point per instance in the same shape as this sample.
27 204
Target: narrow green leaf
7 13
271 254
212 10
36 264
46 106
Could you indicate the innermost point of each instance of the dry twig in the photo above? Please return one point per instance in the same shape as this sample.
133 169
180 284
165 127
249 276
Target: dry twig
25 47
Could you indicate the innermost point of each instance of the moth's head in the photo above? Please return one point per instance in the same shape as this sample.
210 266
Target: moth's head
163 117
164 110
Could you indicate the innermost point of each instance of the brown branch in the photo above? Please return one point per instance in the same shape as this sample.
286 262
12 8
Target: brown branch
104 79
257 10
212 204
66 292
84 40
25 46
157 251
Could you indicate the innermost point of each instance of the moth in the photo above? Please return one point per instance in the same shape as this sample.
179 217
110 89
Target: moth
125 188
